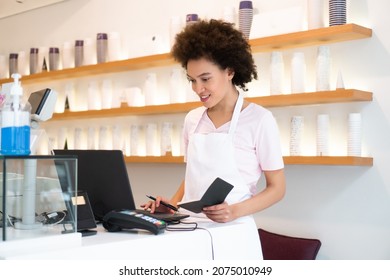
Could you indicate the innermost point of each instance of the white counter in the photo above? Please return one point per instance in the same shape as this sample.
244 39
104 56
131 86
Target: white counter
209 241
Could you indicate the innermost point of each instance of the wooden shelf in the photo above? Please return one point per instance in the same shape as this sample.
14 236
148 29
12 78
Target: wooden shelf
328 160
337 96
288 160
326 35
308 98
154 159
321 36
138 63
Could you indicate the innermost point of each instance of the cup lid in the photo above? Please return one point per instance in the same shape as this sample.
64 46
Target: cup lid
246 5
192 17
79 43
54 50
101 36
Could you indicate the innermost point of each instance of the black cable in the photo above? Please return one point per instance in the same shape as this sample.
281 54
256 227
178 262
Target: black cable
46 218
171 227
10 219
51 218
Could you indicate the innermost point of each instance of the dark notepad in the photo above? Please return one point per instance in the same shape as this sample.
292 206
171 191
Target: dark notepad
215 194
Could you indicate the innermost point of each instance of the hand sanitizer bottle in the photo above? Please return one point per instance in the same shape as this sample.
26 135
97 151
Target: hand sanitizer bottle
15 122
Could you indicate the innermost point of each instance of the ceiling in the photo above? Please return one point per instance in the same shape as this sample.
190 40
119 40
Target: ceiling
12 7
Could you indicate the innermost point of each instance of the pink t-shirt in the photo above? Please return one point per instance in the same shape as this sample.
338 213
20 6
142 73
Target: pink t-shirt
256 140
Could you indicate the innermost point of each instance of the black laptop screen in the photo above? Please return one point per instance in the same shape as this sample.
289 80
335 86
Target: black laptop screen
102 174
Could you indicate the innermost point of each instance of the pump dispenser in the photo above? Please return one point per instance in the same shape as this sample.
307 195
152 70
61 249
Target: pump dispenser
15 122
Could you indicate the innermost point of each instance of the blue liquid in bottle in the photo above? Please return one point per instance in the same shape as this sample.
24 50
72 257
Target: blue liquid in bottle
15 121
15 140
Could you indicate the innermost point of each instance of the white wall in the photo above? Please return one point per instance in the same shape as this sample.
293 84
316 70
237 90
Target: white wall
347 208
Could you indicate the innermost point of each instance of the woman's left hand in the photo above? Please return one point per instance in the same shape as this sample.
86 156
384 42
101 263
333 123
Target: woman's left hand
220 213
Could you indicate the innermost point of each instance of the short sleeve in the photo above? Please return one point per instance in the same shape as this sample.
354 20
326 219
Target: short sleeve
268 145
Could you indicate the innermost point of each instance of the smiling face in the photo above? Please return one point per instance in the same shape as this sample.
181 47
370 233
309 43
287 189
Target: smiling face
211 83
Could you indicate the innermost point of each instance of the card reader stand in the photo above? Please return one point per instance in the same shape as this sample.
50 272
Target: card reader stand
85 218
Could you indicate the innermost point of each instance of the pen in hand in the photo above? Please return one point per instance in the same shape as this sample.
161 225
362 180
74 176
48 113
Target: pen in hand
164 203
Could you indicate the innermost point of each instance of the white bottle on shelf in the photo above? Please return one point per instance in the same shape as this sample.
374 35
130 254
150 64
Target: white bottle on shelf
276 73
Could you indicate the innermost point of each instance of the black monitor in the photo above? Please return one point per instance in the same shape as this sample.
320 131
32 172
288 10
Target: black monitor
102 174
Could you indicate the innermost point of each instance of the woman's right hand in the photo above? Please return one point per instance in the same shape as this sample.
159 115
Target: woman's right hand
156 206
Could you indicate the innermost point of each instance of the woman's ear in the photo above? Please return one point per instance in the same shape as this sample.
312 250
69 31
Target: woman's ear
230 73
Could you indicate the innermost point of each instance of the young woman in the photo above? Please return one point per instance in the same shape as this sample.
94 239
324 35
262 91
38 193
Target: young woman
228 137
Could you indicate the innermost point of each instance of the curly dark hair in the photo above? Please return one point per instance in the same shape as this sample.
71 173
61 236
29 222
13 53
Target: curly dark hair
219 42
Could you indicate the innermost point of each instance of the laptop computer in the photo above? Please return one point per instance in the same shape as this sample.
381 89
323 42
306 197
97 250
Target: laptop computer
103 175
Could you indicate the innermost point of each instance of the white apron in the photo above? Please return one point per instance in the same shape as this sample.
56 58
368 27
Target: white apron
210 156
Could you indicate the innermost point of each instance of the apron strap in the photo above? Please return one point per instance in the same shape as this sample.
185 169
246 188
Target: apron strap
235 117
236 113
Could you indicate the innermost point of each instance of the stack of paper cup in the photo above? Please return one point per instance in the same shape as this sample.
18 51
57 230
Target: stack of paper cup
296 135
13 64
315 14
134 139
78 53
151 139
150 89
323 68
94 97
34 62
106 93
60 103
22 63
104 143
337 12
78 131
67 55
298 72
91 138
177 86
245 17
229 14
276 73
114 46
117 137
166 138
354 134
90 55
323 135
